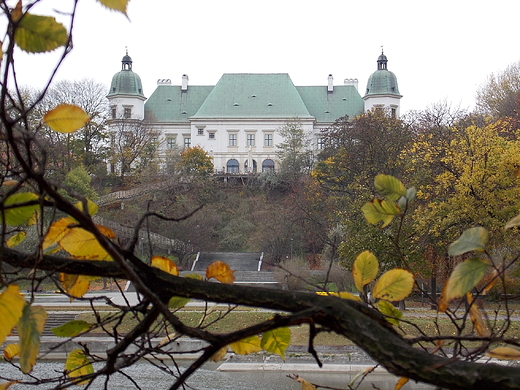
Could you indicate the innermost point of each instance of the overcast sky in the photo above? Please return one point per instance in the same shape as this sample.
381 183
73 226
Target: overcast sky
443 49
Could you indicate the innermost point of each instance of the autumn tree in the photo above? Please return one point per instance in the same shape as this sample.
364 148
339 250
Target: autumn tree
133 147
196 163
89 144
72 246
499 95
295 152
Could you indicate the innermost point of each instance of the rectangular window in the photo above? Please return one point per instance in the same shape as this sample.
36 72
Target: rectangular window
321 143
233 140
250 140
187 142
200 131
170 143
211 135
128 113
114 113
268 140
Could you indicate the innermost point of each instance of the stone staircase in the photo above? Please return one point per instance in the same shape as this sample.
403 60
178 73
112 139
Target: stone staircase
247 267
53 320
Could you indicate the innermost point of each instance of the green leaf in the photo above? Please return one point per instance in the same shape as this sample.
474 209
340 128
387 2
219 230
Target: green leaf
116 5
394 285
17 239
365 269
78 364
30 328
411 193
178 302
11 308
473 239
390 187
464 278
378 210
391 314
71 328
246 346
39 34
17 216
276 341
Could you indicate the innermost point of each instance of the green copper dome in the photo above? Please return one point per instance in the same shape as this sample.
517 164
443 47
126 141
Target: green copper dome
382 81
126 82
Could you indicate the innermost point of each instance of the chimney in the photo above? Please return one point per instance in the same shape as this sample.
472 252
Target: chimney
353 82
184 86
330 87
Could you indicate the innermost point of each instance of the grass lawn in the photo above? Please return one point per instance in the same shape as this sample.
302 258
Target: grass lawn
217 321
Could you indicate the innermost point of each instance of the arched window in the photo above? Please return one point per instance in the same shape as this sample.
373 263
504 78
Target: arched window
268 165
254 167
232 166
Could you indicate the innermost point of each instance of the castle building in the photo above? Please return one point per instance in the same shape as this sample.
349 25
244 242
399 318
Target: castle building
236 120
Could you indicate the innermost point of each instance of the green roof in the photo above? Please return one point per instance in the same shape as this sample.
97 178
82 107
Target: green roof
382 82
247 95
126 82
169 104
326 106
255 96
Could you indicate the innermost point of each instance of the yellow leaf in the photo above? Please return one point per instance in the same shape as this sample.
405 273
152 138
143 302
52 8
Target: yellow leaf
66 118
219 355
30 328
5 386
39 34
9 183
77 364
107 232
378 210
75 285
476 317
513 222
83 245
246 346
11 308
116 5
11 350
504 353
57 231
365 269
276 341
394 285
165 264
341 294
401 382
16 239
306 385
390 187
167 339
92 208
220 271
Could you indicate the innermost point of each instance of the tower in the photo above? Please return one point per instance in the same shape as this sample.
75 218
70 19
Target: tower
382 91
126 98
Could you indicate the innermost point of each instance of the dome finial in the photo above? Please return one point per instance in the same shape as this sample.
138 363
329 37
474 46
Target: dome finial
126 61
382 61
